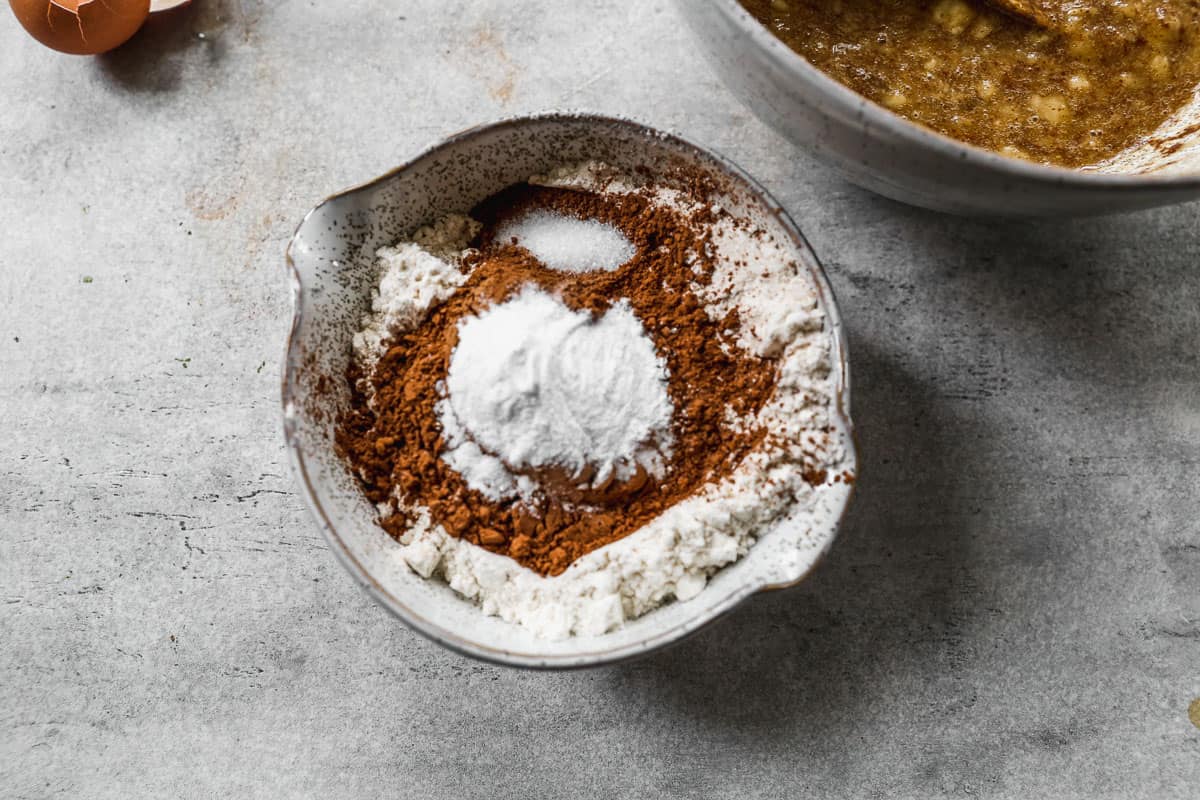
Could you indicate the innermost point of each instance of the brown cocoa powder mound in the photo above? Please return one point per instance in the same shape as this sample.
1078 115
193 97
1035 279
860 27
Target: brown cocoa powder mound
394 444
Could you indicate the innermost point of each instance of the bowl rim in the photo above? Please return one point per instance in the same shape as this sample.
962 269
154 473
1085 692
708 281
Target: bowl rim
433 630
917 135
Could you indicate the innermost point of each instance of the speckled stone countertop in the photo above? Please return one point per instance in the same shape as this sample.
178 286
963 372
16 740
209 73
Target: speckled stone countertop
1013 610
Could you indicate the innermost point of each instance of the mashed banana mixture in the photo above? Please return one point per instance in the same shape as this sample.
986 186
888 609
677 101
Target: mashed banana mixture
1099 78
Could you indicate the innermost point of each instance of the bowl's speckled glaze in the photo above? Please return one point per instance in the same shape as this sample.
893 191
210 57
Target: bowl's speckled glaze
331 262
888 154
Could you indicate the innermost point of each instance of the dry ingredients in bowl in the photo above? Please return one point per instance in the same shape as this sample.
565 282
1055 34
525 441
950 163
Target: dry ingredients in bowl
583 399
1095 80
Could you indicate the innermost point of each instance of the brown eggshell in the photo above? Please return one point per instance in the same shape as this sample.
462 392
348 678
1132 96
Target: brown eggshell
81 27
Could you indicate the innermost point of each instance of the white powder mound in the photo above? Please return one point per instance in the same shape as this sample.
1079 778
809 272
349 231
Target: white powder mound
569 244
533 384
414 276
673 556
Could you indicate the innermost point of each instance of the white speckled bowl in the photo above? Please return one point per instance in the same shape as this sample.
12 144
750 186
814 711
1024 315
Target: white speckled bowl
886 153
331 265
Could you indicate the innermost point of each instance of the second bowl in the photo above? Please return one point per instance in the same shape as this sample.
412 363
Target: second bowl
886 153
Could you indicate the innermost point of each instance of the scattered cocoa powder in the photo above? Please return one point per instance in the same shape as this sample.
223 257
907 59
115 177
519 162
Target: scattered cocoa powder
394 440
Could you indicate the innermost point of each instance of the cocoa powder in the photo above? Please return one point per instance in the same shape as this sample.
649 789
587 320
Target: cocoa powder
393 440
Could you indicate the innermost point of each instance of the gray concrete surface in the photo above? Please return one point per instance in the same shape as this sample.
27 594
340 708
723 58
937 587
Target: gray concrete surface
1013 610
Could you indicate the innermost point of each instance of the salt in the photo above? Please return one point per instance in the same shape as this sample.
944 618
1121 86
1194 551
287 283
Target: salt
533 384
569 244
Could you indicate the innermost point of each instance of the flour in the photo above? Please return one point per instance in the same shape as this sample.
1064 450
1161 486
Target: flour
673 556
776 305
414 275
535 385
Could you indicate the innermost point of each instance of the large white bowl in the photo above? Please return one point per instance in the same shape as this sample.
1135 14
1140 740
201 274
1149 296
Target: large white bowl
886 153
331 262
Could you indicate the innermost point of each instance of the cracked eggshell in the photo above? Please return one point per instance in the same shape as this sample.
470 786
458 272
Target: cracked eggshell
81 27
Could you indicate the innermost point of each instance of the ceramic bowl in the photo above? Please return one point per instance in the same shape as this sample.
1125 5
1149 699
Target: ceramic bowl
886 153
331 263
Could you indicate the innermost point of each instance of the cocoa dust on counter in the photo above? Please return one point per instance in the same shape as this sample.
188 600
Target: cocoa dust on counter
394 443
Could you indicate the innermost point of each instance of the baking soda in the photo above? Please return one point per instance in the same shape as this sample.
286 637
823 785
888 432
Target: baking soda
534 385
